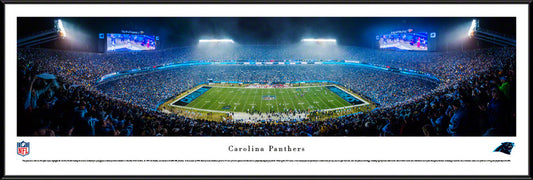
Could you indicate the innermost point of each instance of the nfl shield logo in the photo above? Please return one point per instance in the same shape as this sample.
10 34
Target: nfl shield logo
23 148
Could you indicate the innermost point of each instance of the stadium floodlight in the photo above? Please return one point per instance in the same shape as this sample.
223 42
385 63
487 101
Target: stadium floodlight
472 28
319 40
61 29
216 41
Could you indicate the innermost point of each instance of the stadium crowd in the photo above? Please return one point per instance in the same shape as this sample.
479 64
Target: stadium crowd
475 97
149 89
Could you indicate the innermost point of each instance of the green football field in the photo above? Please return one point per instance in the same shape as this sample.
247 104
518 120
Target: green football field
231 99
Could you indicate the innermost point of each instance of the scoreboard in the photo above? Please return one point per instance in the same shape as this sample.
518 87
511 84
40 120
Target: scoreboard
407 40
127 41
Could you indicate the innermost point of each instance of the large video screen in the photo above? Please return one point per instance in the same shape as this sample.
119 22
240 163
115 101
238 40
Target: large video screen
404 41
130 42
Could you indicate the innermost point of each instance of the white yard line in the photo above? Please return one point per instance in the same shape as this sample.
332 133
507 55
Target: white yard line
325 103
305 99
253 100
276 96
241 103
215 101
224 101
298 96
260 101
289 100
200 104
336 99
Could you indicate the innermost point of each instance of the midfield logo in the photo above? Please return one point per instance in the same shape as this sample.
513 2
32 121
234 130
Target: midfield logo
269 97
23 148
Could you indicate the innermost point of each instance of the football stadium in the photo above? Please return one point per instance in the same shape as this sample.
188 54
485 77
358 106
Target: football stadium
266 76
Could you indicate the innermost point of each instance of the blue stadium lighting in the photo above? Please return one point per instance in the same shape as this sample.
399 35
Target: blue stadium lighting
216 41
319 40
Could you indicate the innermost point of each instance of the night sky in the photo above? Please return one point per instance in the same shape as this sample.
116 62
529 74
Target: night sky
186 31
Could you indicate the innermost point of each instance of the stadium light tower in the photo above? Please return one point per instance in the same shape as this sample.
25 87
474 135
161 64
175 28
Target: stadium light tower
493 37
216 41
44 36
61 29
472 28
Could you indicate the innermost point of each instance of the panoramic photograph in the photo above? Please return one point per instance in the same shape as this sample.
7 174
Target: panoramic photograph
266 76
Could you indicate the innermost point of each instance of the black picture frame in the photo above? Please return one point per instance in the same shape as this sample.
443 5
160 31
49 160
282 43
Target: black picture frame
436 2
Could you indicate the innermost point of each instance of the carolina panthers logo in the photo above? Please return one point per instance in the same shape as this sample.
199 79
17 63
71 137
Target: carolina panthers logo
506 147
